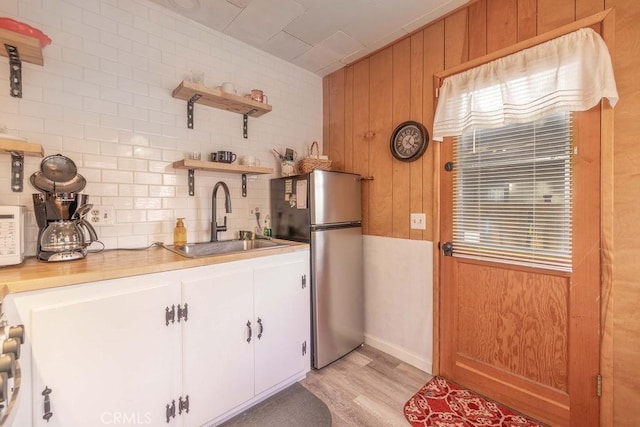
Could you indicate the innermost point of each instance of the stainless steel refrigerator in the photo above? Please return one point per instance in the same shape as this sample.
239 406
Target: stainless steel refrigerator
323 208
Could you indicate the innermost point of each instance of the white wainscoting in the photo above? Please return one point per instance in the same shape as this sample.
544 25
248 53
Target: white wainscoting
399 298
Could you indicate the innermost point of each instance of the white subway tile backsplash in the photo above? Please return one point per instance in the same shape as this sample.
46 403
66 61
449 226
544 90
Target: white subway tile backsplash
160 215
101 189
118 150
114 12
133 138
77 28
103 98
146 127
147 203
134 190
133 165
147 153
9 7
81 88
130 215
90 5
100 106
132 86
100 78
119 97
80 145
117 176
147 178
58 127
99 21
115 68
100 161
133 112
115 122
99 49
114 40
117 202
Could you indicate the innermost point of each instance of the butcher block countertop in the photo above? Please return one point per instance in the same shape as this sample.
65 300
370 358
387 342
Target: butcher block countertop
113 264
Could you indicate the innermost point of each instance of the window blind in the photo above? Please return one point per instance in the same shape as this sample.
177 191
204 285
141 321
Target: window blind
512 193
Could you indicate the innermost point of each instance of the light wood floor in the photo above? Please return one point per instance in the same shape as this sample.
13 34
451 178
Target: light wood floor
366 388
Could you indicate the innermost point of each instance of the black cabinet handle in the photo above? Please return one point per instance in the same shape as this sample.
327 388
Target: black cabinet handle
261 328
250 332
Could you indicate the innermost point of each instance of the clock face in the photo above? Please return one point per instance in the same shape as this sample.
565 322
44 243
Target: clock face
409 141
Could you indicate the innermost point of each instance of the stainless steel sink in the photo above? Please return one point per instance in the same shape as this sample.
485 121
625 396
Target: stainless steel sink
197 250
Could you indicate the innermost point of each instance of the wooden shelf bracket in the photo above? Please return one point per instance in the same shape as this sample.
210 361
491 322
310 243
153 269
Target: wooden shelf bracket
18 148
15 70
190 104
191 179
17 172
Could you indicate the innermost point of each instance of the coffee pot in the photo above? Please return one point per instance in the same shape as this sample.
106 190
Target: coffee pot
64 233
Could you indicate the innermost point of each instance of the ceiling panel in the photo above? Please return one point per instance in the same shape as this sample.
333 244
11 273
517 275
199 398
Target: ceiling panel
216 14
323 19
342 44
257 23
285 46
319 35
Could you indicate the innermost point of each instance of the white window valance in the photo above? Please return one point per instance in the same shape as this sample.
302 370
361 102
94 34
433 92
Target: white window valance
570 73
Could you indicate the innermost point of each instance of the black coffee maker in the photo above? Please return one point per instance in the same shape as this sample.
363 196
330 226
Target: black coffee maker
64 234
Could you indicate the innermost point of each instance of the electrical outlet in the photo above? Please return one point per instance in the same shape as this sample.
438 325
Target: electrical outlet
101 215
418 221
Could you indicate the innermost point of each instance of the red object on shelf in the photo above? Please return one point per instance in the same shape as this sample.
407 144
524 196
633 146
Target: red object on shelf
27 30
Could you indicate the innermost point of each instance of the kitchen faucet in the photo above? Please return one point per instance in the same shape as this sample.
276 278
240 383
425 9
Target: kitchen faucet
215 228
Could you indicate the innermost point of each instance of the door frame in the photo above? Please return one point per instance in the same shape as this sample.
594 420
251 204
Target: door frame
605 22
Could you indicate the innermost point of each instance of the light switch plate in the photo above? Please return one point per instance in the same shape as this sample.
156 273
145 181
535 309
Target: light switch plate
418 221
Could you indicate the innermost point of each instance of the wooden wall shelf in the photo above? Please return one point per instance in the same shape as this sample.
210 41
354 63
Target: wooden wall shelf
192 165
199 94
18 48
28 47
22 147
18 149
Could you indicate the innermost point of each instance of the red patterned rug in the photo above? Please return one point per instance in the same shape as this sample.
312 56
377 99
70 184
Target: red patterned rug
443 404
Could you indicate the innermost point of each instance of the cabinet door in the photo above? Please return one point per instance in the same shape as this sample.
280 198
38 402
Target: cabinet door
217 358
106 360
282 307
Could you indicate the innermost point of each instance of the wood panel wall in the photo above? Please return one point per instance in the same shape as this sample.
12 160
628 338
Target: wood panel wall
365 101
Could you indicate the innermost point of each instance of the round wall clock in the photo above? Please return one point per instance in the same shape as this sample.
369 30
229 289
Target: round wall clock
409 141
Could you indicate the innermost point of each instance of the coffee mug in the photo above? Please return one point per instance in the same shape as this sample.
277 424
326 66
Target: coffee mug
213 157
249 161
227 87
226 157
256 95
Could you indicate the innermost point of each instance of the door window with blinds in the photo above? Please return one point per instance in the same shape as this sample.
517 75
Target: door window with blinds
512 193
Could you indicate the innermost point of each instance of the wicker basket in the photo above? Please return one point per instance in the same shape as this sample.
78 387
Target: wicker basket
314 161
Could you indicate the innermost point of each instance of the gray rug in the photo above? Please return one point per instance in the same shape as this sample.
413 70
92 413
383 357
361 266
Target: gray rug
294 406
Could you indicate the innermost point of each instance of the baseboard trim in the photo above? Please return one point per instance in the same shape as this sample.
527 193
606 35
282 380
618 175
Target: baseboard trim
400 353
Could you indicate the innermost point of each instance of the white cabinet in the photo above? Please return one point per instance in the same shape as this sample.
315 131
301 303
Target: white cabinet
107 354
105 360
218 361
282 304
252 327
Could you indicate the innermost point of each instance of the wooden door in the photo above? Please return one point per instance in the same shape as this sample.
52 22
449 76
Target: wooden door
217 358
106 360
529 338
